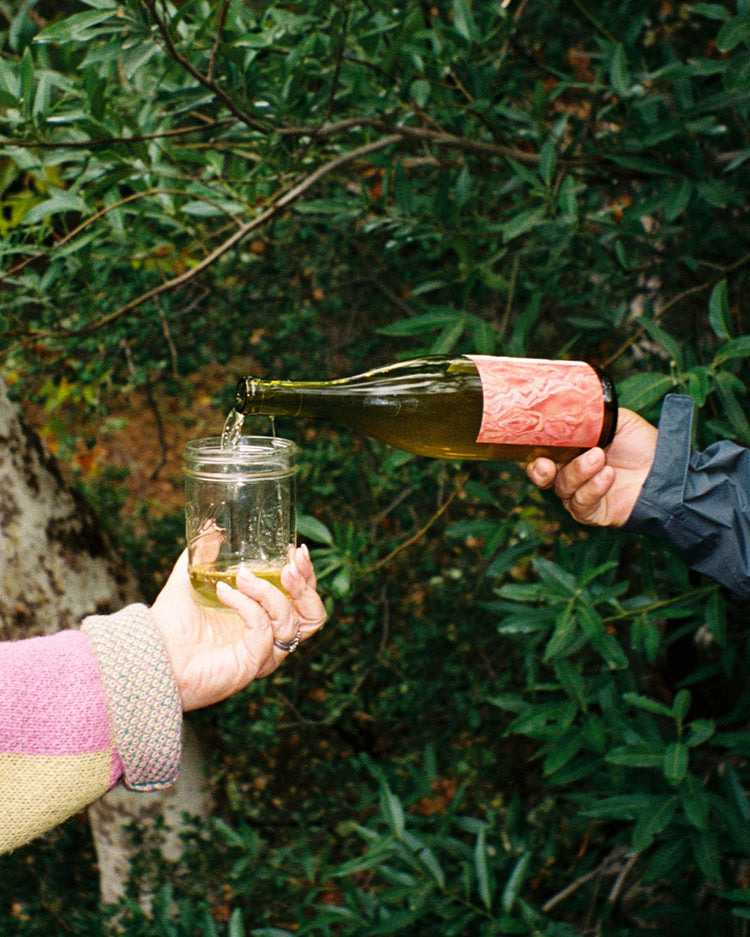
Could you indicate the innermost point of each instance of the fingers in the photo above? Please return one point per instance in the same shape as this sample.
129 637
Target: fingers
257 600
581 470
301 557
542 472
588 504
582 485
298 578
568 479
296 615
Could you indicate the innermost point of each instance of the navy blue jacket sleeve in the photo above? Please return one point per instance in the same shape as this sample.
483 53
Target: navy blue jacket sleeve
699 500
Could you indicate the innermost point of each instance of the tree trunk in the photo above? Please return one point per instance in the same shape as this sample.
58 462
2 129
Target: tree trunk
56 562
57 565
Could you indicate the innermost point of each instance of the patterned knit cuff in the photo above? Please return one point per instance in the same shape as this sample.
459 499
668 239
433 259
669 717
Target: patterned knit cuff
142 695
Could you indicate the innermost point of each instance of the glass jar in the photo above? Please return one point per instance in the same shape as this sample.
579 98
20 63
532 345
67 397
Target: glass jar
239 510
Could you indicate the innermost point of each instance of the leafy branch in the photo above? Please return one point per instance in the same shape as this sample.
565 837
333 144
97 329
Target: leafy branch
243 230
721 272
208 81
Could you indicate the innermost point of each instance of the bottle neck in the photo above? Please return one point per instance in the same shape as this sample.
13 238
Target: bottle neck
272 398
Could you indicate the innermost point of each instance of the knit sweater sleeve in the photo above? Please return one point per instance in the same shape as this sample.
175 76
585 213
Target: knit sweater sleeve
79 711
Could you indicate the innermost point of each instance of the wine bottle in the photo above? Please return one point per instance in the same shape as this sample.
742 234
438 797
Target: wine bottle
457 407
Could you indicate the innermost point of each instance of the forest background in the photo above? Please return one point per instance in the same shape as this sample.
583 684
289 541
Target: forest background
511 724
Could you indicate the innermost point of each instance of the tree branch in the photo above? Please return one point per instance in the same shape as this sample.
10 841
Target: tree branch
96 217
108 141
422 530
675 301
205 80
611 863
243 229
217 41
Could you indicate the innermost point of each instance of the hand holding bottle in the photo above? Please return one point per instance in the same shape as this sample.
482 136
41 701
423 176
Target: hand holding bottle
600 487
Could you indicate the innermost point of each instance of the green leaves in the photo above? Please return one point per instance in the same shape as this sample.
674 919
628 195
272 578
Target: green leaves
718 311
461 877
586 202
619 71
84 27
594 729
463 20
675 762
641 391
733 31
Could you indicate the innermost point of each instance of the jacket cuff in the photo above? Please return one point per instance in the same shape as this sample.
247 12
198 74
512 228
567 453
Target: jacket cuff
142 696
659 508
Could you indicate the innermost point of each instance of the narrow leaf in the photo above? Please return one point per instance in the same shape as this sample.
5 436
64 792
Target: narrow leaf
522 223
402 190
548 162
316 530
676 763
652 822
619 73
76 28
736 348
681 704
732 409
694 802
28 79
236 927
516 881
670 344
642 390
393 811
701 731
554 578
481 868
714 11
636 756
718 311
463 20
678 200
58 204
733 32
429 861
650 705
707 855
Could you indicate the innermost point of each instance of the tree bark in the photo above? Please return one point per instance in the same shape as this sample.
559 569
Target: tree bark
57 565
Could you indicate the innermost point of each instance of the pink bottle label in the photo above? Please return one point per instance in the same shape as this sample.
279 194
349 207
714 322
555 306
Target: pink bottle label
531 402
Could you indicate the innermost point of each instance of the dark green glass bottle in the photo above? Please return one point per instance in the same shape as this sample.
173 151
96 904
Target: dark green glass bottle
457 407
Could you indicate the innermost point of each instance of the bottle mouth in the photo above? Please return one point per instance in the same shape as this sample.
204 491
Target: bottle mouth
244 391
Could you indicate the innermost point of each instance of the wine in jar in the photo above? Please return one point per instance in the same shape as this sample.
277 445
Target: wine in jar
205 576
457 407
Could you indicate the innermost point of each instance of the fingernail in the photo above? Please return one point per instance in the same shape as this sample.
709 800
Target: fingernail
245 576
294 570
539 474
305 551
223 587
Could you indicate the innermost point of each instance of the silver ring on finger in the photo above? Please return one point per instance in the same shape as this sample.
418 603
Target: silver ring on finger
287 646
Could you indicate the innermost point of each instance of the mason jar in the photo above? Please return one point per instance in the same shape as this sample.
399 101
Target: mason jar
239 511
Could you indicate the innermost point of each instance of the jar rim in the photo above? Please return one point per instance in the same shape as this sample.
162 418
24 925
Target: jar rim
271 455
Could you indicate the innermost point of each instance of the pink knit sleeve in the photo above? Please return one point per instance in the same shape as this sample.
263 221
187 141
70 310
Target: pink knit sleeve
78 711
56 745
